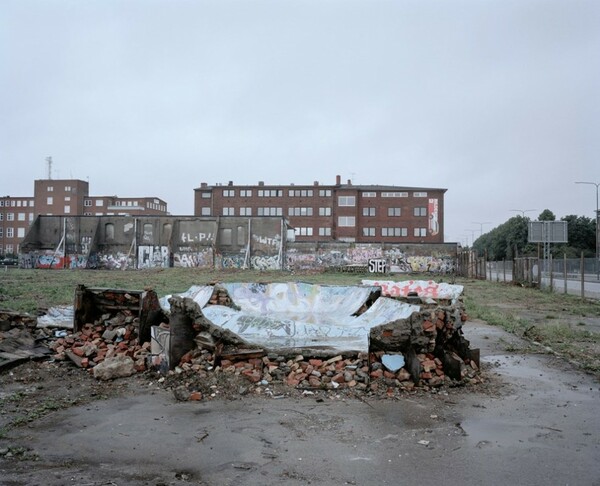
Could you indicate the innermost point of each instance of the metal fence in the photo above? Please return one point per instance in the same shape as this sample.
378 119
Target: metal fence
577 276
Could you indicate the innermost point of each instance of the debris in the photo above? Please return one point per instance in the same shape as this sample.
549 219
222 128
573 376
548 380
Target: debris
115 367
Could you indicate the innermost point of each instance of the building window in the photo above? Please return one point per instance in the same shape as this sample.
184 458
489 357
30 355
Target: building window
420 211
300 193
49 200
228 192
228 211
67 198
13 203
324 211
270 211
67 210
1 216
205 212
420 232
20 232
30 216
205 195
346 221
21 217
50 188
324 231
1 232
87 203
245 211
30 204
368 231
368 212
99 202
9 249
245 192
419 194
19 203
303 231
300 211
394 231
270 193
394 211
325 192
394 194
346 201
369 194
10 232
10 216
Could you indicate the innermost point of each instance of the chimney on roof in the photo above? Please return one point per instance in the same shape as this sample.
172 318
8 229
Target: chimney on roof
261 183
349 182
203 184
316 183
338 180
230 183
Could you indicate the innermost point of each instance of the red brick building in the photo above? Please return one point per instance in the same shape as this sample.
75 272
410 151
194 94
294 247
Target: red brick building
64 197
342 212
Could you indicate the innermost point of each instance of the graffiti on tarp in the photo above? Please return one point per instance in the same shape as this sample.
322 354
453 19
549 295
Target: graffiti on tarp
153 256
197 259
423 288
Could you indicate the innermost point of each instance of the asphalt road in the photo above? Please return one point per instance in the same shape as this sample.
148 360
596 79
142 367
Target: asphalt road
535 423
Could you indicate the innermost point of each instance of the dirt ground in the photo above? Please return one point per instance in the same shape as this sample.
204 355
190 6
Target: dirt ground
533 420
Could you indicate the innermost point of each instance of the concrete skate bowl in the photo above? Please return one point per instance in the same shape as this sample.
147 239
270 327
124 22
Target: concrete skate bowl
300 315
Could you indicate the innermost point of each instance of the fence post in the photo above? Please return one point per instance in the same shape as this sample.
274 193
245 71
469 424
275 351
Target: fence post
551 263
581 270
565 271
504 268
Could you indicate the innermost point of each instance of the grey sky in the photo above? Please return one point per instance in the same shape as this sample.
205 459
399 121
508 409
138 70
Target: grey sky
497 101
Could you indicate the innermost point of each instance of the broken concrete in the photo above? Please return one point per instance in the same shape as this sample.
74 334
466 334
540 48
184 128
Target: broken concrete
115 367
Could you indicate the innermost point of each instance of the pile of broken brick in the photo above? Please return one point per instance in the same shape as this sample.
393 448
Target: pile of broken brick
430 343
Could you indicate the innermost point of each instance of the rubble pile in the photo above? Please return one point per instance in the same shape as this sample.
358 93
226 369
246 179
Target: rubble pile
107 337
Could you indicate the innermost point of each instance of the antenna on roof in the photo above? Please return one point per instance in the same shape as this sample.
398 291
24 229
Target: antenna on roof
49 162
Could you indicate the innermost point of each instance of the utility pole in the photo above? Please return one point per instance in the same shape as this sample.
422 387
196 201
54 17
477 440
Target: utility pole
481 225
523 211
597 232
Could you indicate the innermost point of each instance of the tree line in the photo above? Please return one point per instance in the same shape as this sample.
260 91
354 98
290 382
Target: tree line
510 238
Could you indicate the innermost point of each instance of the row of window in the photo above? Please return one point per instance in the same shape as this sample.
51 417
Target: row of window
385 232
51 189
8 249
15 203
20 216
308 211
306 193
10 232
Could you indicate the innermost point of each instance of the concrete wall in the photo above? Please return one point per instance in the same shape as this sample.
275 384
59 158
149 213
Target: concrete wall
120 242
435 258
124 242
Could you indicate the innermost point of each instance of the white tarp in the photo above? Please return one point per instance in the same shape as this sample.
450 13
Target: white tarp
291 315
426 289
200 294
59 316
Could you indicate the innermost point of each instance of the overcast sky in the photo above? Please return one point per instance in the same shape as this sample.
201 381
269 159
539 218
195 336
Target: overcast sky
497 101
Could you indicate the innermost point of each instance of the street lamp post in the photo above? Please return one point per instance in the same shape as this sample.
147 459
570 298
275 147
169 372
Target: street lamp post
597 232
523 211
481 226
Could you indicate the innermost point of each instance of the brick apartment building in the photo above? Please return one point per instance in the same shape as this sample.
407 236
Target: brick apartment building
339 212
64 197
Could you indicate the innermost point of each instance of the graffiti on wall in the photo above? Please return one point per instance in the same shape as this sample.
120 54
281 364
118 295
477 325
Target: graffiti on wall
265 262
194 259
116 261
196 237
153 256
